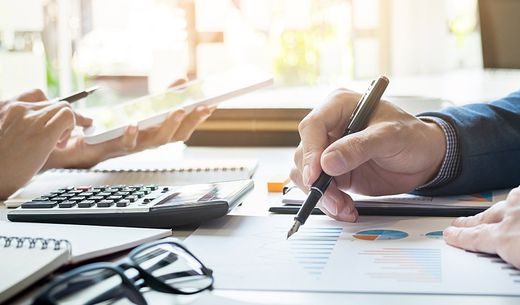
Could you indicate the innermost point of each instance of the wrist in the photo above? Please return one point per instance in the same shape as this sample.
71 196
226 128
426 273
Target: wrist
449 167
438 147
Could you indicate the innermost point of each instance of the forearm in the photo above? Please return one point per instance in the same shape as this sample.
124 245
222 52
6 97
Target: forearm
488 137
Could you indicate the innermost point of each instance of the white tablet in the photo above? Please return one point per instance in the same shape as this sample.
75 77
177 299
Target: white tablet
110 122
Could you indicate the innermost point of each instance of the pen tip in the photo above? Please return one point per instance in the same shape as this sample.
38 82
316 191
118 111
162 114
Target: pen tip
294 228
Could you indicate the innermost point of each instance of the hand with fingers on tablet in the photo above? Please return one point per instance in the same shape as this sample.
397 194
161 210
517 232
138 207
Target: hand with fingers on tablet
178 126
35 135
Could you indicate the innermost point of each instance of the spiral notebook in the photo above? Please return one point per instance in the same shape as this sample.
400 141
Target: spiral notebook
191 172
30 251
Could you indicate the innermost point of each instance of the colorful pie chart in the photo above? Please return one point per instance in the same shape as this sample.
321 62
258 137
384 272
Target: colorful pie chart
380 235
434 235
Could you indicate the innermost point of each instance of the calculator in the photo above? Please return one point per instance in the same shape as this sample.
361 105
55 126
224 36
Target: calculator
152 206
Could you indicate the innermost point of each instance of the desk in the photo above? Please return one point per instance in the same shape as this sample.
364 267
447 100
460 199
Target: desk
279 160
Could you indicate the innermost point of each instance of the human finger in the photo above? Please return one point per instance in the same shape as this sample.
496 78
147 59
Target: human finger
62 141
492 215
320 127
45 113
61 121
314 140
34 95
296 178
338 205
82 120
116 147
190 123
480 238
348 153
177 82
169 127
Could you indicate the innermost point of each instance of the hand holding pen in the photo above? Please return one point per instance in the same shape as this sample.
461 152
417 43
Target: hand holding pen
357 121
396 153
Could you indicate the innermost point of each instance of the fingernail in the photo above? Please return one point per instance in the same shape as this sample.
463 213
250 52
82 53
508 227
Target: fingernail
334 160
306 175
181 113
330 205
133 129
458 220
449 231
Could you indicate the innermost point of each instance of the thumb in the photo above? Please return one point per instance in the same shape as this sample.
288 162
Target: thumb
350 152
82 120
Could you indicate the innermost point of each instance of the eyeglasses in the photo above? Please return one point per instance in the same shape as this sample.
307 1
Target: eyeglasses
164 266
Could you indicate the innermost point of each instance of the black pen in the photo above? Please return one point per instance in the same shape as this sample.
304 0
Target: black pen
77 96
357 122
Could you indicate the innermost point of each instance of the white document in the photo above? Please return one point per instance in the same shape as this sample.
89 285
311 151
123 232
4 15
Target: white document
377 254
484 199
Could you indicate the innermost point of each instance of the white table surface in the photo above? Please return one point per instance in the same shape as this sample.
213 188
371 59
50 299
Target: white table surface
273 161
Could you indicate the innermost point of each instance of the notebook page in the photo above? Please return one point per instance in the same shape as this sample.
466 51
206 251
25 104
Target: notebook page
86 242
26 266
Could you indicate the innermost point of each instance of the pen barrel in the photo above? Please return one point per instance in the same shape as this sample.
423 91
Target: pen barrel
316 192
323 181
310 203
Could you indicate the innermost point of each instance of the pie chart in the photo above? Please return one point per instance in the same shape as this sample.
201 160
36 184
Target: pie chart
380 235
434 235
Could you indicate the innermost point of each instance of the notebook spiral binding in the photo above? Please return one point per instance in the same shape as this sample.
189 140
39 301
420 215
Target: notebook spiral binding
34 243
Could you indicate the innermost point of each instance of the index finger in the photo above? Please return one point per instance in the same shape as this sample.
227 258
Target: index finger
35 95
478 239
321 127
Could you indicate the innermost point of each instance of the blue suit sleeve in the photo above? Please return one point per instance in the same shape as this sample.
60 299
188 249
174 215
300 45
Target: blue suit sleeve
488 136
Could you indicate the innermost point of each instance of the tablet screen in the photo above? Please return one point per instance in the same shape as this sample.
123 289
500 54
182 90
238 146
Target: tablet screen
208 91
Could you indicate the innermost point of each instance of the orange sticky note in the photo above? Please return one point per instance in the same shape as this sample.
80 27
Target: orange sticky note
275 185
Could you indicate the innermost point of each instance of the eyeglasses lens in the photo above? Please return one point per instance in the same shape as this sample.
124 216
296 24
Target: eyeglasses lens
175 267
98 286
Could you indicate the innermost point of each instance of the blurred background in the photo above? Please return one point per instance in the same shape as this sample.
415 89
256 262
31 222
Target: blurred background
139 46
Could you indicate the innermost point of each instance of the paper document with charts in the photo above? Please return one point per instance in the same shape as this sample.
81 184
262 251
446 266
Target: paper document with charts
377 254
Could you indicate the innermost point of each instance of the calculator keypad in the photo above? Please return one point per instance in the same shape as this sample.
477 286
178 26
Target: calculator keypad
100 196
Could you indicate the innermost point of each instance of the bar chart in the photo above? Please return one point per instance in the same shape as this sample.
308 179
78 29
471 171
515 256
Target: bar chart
312 248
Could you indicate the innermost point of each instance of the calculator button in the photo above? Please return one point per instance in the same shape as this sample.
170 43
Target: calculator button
75 192
96 198
59 199
83 188
42 198
165 189
58 192
139 194
39 204
77 198
123 203
148 199
105 203
122 193
131 198
104 194
86 204
87 194
115 197
67 204
153 187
